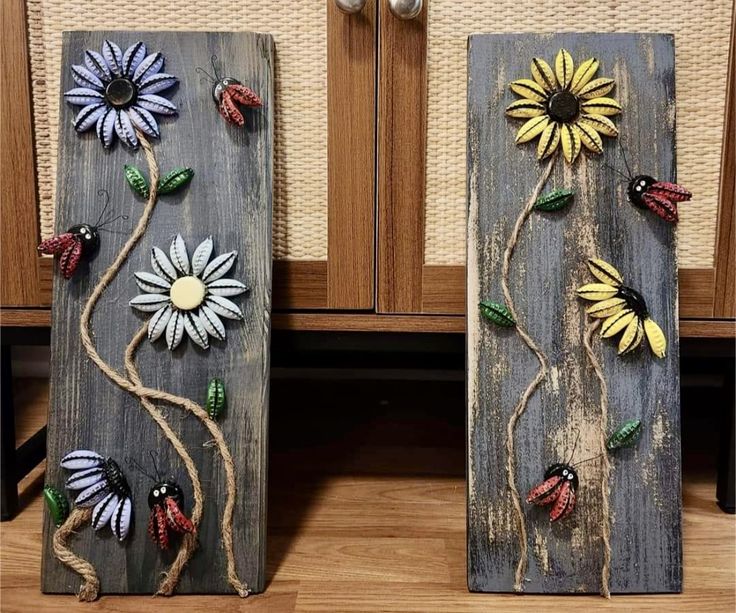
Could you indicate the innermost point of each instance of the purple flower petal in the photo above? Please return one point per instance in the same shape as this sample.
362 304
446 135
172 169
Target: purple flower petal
125 130
144 121
106 128
85 78
149 66
156 104
88 116
157 83
97 65
83 96
114 57
133 56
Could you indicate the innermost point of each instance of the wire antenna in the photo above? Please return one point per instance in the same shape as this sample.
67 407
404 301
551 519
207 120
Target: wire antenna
574 447
133 463
155 466
626 162
100 223
595 457
617 171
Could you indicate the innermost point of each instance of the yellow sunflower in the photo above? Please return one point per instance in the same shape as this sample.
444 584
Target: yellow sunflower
622 309
564 105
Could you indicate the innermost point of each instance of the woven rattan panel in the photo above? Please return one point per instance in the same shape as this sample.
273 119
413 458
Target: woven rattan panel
701 29
300 148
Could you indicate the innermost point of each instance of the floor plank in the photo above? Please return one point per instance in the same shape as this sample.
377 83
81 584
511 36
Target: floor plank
367 513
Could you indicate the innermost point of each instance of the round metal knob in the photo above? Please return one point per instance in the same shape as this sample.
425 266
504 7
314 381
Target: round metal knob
405 9
350 7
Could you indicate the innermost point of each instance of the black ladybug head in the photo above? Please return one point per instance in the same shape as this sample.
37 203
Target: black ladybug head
162 490
637 187
221 85
88 236
565 471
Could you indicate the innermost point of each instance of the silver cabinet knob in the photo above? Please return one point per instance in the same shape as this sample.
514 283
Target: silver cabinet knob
350 6
405 9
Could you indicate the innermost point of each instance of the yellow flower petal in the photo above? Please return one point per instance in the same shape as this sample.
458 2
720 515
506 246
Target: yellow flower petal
543 74
529 89
589 137
601 106
564 68
597 88
549 141
606 308
531 128
600 123
525 108
615 323
656 338
631 337
603 271
570 143
597 291
583 74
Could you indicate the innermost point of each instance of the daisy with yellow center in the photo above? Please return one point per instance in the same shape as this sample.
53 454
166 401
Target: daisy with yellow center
622 309
564 106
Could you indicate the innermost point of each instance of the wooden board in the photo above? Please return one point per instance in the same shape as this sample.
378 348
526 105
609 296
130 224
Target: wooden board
547 267
229 199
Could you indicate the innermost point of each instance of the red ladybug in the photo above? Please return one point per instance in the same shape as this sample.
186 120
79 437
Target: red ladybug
658 196
165 501
558 489
228 93
77 242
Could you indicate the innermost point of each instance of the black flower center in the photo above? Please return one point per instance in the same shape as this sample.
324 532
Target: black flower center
563 107
120 92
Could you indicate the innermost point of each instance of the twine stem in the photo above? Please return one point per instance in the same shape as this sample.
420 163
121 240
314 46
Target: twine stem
78 518
540 376
590 329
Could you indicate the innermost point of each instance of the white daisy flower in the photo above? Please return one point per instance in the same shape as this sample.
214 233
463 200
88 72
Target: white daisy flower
188 295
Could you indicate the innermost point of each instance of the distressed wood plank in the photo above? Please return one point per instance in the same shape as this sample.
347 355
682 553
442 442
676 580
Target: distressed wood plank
230 199
548 265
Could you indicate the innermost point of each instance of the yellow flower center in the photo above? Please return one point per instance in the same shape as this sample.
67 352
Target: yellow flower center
187 293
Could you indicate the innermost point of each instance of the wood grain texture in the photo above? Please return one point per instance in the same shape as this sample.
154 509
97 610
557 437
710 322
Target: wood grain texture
351 156
300 284
548 265
402 136
18 211
229 199
725 257
355 476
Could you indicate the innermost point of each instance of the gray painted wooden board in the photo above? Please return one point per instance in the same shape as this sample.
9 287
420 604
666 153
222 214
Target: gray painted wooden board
229 199
548 265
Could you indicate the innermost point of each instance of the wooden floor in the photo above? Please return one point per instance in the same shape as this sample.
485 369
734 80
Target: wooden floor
367 512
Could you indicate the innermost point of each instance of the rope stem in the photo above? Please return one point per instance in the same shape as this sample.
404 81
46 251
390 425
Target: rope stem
78 518
540 376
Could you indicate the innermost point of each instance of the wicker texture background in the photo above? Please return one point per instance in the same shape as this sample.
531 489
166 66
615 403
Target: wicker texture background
701 29
299 28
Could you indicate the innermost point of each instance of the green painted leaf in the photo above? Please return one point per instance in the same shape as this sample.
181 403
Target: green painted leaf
137 181
554 200
497 313
57 504
175 180
625 435
215 404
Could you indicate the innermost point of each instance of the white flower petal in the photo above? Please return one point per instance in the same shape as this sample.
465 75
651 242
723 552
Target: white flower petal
81 459
175 330
212 323
201 256
82 479
195 330
162 265
178 253
97 65
121 519
103 510
156 104
93 494
219 266
132 58
157 323
226 287
89 116
148 303
144 121
125 130
150 65
153 284
157 83
106 127
113 56
223 306
83 96
85 78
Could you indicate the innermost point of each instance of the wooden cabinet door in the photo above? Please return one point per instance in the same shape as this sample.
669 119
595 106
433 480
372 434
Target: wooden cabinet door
422 145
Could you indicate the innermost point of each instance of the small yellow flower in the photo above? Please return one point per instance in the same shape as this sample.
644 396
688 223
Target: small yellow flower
565 106
622 309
